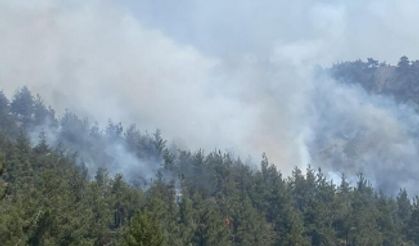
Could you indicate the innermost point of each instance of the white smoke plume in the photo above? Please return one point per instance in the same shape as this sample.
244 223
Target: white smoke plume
239 76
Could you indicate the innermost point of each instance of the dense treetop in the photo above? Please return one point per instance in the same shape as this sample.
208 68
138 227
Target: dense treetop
65 181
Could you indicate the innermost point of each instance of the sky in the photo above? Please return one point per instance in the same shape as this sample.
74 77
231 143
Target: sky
347 29
231 75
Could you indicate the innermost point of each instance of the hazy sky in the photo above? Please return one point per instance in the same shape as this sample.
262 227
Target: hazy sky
342 29
235 75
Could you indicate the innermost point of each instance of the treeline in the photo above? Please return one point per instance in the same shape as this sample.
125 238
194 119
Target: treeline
48 195
399 81
94 147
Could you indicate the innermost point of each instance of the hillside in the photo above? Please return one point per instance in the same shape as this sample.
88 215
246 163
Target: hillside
400 81
65 181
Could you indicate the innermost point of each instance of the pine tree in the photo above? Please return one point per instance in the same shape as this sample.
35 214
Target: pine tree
22 106
143 231
211 228
413 223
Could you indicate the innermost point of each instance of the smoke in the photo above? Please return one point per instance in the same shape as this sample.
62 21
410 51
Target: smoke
135 155
346 29
358 132
240 76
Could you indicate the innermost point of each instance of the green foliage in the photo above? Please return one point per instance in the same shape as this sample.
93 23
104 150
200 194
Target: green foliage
413 223
400 82
47 196
143 231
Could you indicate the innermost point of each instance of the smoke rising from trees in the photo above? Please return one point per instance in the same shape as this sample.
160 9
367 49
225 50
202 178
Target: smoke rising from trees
247 91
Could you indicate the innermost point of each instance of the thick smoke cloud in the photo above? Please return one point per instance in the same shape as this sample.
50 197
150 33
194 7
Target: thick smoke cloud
357 132
239 76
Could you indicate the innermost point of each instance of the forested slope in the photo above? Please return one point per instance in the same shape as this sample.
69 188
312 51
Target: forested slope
65 181
399 81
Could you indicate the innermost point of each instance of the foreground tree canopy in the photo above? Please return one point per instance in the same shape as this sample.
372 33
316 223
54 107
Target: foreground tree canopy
63 182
